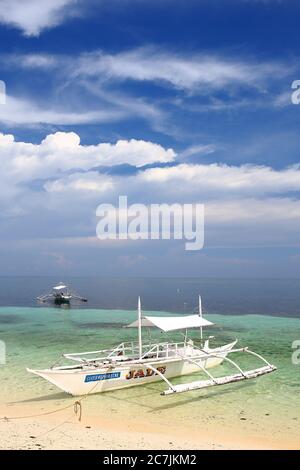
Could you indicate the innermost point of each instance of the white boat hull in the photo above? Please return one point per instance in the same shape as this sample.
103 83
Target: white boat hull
82 381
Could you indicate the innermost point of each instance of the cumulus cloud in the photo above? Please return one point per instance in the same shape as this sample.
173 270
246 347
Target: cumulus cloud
91 182
253 201
56 187
33 16
252 211
63 151
211 179
65 162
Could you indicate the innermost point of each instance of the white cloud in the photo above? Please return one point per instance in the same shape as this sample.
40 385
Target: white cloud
214 178
100 76
107 107
33 16
83 182
253 211
183 71
23 112
32 61
62 151
55 187
198 150
67 165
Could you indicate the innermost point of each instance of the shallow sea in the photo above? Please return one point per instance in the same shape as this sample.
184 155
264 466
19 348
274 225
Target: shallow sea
35 337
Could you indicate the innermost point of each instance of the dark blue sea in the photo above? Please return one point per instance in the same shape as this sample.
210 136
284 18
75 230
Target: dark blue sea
274 297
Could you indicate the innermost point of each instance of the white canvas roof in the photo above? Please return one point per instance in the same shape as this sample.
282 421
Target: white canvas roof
173 323
59 287
145 322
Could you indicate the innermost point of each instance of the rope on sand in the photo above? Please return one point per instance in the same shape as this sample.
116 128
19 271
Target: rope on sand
5 418
77 407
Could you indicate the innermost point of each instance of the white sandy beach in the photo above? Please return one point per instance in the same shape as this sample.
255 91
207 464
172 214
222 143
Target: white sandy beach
64 431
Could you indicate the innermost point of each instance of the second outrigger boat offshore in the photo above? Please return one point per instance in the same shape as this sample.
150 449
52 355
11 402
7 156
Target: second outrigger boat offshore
61 295
135 363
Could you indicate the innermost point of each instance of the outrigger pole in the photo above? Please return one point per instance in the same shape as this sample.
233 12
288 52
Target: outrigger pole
140 328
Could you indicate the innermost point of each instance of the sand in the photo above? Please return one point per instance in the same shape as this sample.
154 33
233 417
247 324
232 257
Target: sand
63 430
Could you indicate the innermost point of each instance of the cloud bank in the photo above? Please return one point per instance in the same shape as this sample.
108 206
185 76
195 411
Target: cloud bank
71 179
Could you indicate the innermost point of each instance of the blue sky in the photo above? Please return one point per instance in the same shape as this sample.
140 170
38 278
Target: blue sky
164 101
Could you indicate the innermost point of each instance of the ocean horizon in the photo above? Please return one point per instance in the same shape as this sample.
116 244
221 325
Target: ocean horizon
275 297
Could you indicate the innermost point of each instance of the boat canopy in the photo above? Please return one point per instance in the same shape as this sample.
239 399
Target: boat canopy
59 287
172 323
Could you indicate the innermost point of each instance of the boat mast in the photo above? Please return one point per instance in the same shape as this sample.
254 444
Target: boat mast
140 328
200 315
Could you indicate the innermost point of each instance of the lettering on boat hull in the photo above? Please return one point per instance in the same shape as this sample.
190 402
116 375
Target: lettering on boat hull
142 373
107 376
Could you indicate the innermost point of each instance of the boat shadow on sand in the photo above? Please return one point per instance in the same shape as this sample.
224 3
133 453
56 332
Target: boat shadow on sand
150 391
209 395
50 397
118 395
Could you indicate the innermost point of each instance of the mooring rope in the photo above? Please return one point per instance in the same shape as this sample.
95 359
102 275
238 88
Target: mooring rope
77 407
5 418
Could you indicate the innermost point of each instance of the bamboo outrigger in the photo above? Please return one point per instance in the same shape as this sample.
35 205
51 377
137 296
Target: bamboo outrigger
135 363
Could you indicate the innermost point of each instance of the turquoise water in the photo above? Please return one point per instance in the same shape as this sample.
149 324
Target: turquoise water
35 337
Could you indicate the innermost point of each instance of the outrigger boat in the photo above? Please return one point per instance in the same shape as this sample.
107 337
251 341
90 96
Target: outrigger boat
135 363
61 294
